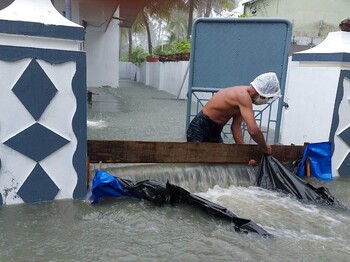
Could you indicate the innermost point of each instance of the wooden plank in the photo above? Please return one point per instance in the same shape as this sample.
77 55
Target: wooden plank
183 152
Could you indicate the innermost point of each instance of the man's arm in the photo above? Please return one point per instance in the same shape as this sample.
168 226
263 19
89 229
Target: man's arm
236 129
246 109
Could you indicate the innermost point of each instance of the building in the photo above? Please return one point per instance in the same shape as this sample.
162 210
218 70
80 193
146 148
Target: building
312 20
101 20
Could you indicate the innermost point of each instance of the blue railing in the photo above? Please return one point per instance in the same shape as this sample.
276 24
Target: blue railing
263 115
234 51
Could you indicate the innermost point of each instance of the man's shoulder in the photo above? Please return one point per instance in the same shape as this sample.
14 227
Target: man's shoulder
231 89
237 88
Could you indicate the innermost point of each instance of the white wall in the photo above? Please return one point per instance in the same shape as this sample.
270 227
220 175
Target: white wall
313 90
155 74
102 47
56 117
127 70
143 73
310 93
170 76
102 51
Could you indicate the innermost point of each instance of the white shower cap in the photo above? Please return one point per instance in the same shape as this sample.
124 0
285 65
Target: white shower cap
267 85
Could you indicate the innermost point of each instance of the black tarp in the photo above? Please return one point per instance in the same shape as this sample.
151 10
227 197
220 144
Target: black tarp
166 193
273 175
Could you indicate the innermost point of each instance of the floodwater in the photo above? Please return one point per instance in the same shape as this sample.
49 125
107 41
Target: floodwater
136 112
128 229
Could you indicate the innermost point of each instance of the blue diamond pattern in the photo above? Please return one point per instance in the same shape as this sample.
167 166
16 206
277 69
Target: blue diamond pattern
36 142
38 187
345 166
34 89
345 136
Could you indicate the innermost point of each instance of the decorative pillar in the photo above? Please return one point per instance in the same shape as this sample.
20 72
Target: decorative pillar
318 95
42 105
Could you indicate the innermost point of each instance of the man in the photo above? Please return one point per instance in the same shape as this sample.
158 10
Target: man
236 103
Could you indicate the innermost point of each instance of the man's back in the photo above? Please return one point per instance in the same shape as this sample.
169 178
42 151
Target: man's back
225 104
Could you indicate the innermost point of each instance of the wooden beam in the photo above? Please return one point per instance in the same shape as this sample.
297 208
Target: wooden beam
183 152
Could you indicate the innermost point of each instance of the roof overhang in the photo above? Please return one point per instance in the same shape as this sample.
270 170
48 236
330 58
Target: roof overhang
98 13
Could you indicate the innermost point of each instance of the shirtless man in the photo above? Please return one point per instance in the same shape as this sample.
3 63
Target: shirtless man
236 103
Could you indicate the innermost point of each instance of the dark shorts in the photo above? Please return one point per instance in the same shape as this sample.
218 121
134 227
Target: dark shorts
203 129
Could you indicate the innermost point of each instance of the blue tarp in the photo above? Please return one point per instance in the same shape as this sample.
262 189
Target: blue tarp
319 155
105 185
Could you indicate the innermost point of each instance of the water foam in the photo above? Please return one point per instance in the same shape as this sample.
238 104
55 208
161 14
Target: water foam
96 124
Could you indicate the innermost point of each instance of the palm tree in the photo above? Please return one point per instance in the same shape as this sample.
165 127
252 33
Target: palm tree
190 17
157 9
125 42
167 9
205 7
177 25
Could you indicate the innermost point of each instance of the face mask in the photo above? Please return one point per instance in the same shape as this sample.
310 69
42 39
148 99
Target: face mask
260 101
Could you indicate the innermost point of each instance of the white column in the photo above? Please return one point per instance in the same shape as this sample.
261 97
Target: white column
43 92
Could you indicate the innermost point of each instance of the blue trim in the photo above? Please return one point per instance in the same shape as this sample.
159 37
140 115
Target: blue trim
15 53
0 194
344 167
80 126
329 57
42 30
12 53
338 99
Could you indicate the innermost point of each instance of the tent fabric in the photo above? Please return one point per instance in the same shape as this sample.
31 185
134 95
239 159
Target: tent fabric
106 185
273 175
319 155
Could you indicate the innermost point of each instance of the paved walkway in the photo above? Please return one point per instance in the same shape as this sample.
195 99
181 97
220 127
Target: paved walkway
134 111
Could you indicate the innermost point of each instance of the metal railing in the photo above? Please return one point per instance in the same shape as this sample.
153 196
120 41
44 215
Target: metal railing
263 116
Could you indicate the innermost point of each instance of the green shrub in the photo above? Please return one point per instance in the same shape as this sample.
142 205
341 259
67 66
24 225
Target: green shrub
183 46
161 50
180 46
124 58
138 55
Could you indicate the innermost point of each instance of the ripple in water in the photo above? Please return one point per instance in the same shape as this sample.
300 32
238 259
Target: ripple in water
96 124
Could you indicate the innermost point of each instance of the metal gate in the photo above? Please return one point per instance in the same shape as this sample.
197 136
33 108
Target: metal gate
233 51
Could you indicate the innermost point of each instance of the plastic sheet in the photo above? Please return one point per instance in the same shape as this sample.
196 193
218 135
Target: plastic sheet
319 155
106 185
273 175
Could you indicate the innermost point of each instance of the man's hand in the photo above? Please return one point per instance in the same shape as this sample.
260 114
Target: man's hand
267 150
252 162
